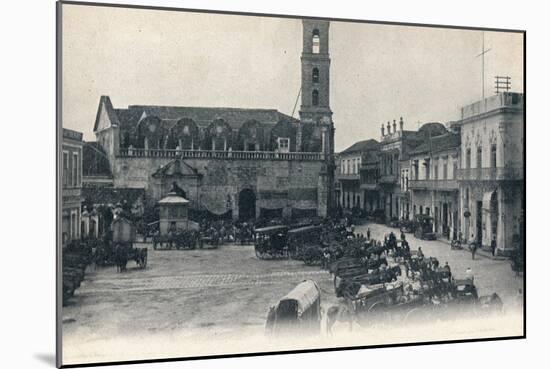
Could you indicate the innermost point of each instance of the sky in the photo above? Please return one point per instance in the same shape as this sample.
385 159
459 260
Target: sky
378 72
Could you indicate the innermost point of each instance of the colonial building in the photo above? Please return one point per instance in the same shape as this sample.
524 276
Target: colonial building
71 149
395 146
242 163
369 176
491 174
433 185
348 175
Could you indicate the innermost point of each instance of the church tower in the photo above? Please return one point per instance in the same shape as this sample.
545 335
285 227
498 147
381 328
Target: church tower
315 106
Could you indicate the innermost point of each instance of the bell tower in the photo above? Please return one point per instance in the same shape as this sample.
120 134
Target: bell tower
315 106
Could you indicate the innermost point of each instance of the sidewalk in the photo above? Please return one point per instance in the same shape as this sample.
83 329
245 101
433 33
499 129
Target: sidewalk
480 252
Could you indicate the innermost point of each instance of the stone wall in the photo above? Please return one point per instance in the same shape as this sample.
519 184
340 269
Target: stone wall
275 183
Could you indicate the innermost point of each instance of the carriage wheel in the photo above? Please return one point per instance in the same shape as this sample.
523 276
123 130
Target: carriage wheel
414 315
377 314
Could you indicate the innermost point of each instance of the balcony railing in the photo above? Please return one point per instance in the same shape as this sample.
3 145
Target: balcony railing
491 174
388 179
368 186
433 184
353 177
213 154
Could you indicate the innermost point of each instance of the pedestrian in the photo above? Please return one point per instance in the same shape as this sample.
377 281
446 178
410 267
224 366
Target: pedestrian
368 233
493 245
402 235
447 267
473 247
420 254
470 274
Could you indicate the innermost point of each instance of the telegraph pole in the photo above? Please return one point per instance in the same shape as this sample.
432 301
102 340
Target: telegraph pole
482 54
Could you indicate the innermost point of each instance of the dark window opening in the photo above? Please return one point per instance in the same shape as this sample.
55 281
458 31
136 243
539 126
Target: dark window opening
315 75
479 156
493 156
315 98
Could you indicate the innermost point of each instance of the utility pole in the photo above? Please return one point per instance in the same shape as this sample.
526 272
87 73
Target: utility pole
482 54
296 102
502 83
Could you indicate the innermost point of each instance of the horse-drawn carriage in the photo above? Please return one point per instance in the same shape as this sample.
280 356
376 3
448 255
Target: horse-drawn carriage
305 243
124 234
423 227
271 242
406 226
180 240
75 258
299 312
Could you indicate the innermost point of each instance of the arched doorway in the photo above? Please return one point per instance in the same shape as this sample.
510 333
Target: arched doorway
494 214
247 205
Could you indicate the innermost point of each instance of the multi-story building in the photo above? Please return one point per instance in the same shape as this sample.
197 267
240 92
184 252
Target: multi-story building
433 185
71 151
395 146
348 175
491 174
243 163
369 175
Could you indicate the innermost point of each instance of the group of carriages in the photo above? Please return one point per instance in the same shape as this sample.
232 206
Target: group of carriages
114 248
211 234
76 256
377 282
386 281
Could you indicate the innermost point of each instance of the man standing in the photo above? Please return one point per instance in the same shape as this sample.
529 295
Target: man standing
368 233
493 245
473 247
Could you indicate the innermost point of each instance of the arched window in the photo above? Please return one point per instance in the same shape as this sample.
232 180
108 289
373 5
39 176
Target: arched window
315 42
315 98
479 157
315 75
493 156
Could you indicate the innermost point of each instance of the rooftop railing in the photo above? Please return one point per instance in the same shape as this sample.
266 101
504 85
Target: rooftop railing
215 154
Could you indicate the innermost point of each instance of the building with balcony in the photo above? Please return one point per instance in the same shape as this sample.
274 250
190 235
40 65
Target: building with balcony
395 146
350 172
433 182
491 174
71 177
369 177
239 163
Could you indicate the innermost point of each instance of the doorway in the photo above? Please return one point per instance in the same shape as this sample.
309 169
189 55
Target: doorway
247 205
494 215
479 230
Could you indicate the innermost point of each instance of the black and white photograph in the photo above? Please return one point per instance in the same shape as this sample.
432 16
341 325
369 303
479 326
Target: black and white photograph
241 184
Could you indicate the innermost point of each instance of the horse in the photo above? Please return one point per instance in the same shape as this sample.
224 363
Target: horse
340 313
121 257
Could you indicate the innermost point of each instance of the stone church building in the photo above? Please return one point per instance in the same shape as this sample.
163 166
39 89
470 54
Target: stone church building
233 162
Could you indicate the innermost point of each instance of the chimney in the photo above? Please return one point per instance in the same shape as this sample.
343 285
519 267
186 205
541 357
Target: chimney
401 124
382 129
389 127
394 126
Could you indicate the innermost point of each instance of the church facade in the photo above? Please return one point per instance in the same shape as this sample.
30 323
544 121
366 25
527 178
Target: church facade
239 163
